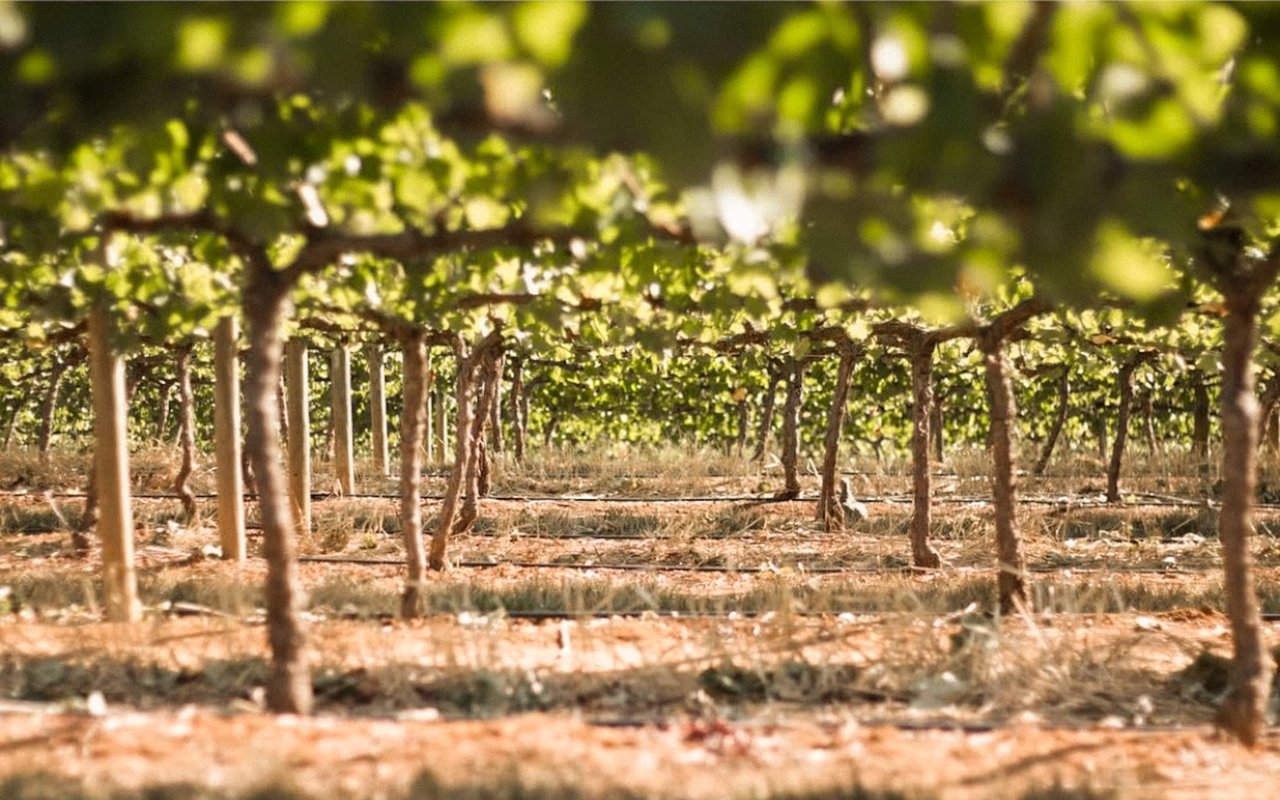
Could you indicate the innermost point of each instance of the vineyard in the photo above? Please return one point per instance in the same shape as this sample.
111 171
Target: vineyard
568 400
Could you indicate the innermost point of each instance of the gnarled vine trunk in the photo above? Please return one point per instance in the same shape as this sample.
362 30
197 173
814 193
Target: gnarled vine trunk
766 413
1012 579
830 507
1059 419
740 438
1244 711
1124 385
265 308
479 477
49 404
920 350
461 470
791 431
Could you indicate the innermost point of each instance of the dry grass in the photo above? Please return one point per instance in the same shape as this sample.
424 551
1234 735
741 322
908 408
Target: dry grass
512 785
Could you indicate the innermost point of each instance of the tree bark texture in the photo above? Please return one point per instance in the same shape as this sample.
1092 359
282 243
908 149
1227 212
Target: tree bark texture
791 430
1244 711
186 437
830 505
226 435
1059 419
923 553
265 308
412 424
1012 579
111 467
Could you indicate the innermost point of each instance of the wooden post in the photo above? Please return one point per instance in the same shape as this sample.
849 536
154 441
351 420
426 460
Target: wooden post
226 435
412 423
378 408
340 406
433 448
299 443
111 460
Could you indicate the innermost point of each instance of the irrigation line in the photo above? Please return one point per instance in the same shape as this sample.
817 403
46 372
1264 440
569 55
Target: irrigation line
754 569
1139 499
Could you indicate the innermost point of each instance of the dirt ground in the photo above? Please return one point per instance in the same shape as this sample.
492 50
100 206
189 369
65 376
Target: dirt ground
649 649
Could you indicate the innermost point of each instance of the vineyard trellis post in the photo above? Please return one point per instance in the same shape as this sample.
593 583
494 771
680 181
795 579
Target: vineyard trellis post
413 417
378 408
299 441
226 432
340 415
111 470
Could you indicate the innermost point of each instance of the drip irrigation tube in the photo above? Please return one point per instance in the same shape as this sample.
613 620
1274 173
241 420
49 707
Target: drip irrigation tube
754 569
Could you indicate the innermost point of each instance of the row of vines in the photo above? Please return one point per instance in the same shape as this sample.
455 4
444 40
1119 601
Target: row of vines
926 202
